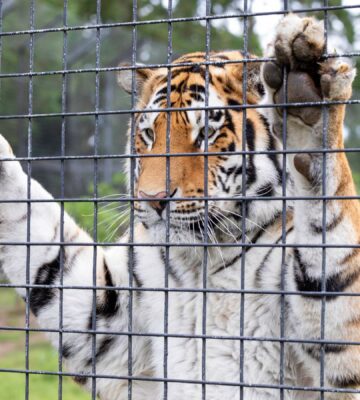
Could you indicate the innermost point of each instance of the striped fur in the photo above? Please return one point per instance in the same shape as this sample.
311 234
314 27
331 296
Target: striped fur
266 266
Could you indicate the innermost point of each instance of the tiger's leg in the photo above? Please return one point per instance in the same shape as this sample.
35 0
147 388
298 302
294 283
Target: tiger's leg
47 264
298 47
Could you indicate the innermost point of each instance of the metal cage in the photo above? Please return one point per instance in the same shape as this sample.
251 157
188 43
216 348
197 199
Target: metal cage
31 35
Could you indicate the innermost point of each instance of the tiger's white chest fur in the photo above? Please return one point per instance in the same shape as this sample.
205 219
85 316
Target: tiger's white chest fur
195 334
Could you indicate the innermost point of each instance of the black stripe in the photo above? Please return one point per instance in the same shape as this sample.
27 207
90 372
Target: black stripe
229 263
253 241
66 350
196 97
143 140
335 283
267 225
225 188
259 270
159 99
132 268
238 172
234 103
329 227
265 190
258 273
81 380
164 90
265 122
109 307
314 351
185 116
46 275
227 172
274 157
104 346
229 122
231 147
349 381
191 69
221 135
250 140
197 88
260 88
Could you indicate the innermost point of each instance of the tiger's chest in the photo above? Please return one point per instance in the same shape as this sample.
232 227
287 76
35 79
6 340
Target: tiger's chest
200 332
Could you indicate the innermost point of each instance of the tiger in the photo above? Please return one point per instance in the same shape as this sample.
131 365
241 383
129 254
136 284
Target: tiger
223 288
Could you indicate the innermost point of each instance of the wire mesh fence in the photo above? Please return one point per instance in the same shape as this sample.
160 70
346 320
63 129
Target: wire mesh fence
101 337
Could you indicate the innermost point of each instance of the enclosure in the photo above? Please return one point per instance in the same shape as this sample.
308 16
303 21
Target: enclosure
66 119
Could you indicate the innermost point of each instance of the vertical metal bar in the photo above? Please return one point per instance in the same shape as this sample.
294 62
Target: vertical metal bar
244 204
206 194
1 28
95 193
132 190
62 193
283 225
28 222
324 202
168 189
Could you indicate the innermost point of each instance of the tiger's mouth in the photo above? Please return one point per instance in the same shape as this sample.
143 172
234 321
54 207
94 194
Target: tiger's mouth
212 224
215 225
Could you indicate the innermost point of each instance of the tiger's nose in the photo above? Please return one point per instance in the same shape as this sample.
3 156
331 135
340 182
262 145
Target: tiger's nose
156 200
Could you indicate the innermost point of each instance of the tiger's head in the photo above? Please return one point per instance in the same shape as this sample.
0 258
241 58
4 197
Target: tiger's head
190 173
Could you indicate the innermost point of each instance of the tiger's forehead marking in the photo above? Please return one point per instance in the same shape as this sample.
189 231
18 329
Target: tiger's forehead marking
192 96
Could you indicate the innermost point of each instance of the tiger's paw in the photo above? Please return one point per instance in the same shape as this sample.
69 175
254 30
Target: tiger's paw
336 79
298 47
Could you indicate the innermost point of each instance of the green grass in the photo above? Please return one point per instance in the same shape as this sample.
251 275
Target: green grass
42 357
41 387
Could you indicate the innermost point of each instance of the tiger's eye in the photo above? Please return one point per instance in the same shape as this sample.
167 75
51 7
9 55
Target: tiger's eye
211 131
150 134
201 136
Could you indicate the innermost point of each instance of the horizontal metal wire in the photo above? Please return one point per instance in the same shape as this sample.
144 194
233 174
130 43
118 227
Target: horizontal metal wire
181 154
160 65
322 389
319 294
177 109
175 245
183 336
131 24
174 199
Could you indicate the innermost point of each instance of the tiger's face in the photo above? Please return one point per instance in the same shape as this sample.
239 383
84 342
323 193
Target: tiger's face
189 135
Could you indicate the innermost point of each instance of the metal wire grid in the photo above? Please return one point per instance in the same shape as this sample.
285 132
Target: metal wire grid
64 114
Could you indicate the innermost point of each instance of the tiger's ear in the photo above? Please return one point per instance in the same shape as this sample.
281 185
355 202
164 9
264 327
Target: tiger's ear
125 77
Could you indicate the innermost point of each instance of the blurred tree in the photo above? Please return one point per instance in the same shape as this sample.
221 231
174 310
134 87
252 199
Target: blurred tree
116 46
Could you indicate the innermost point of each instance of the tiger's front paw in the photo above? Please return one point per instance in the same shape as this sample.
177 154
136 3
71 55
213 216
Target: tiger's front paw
298 47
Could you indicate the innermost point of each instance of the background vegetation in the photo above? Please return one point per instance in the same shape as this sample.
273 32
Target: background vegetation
116 46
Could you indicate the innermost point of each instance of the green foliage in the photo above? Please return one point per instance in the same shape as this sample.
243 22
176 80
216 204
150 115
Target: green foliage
356 176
